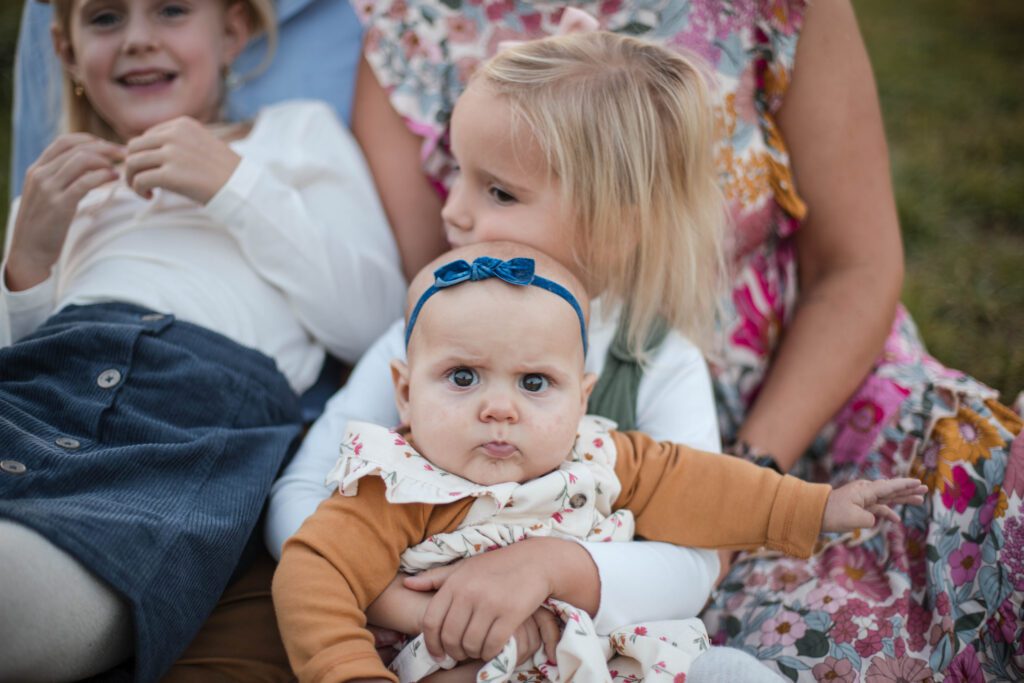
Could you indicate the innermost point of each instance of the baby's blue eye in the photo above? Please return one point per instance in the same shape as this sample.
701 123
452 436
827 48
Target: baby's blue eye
534 382
463 377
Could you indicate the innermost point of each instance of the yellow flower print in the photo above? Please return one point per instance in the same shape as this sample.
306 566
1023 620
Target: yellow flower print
1010 420
967 437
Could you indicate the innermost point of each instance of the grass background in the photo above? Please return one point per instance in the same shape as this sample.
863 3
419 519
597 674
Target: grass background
950 76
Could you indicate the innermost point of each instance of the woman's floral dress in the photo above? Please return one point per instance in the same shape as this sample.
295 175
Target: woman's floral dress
574 501
936 597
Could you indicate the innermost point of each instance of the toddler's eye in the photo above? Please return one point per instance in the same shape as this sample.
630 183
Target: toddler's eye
173 10
499 195
463 377
534 382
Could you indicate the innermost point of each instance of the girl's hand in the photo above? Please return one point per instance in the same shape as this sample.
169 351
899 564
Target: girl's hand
858 504
482 600
180 155
65 172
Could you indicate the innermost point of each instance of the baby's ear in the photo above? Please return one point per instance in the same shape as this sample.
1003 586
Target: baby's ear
400 377
589 380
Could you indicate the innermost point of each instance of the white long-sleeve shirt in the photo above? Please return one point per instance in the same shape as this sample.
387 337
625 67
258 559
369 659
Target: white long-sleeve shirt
293 255
675 403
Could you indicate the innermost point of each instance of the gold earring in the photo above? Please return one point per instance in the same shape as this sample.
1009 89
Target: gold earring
79 90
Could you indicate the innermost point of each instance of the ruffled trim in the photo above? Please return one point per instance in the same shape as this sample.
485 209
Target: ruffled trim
372 450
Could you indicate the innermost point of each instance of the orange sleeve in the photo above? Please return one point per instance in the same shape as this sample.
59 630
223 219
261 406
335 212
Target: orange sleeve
341 559
687 497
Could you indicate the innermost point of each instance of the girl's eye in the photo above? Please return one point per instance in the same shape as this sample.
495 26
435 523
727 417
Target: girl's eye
534 382
173 10
463 377
104 19
499 195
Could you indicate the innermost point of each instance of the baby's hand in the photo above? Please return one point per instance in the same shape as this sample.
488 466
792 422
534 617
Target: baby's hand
858 504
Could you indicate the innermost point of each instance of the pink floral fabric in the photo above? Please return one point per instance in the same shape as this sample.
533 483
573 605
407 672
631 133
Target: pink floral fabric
937 596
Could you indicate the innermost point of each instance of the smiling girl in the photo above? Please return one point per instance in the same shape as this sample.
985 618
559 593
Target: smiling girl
164 298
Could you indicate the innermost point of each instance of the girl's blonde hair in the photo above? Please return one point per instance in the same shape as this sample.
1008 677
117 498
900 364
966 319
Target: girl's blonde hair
78 114
627 126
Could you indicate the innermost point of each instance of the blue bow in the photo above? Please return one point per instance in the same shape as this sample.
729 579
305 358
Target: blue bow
515 271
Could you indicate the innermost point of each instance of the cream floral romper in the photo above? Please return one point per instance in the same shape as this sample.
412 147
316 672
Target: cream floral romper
574 501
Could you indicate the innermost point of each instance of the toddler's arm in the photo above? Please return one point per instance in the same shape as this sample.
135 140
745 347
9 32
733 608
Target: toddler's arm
689 497
860 503
330 571
367 396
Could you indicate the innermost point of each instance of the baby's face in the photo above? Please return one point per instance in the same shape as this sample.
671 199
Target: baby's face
495 387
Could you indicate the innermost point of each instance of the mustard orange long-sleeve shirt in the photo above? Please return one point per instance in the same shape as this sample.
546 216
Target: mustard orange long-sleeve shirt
346 554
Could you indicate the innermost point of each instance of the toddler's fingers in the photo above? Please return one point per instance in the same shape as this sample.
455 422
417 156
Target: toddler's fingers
430 580
550 631
433 620
452 631
475 635
884 512
528 639
501 630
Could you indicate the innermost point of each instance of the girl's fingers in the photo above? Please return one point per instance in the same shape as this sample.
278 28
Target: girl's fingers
475 634
144 182
137 162
430 580
433 620
90 181
77 165
455 623
62 144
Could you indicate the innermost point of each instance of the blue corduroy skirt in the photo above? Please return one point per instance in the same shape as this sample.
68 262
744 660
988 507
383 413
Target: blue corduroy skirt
145 447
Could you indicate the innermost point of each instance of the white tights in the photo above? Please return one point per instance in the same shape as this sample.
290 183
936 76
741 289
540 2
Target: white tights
59 622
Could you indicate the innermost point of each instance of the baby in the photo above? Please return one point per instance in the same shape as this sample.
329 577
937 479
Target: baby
499 449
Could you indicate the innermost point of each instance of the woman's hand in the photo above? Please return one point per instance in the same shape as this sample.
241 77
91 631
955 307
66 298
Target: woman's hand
181 155
481 601
860 503
67 170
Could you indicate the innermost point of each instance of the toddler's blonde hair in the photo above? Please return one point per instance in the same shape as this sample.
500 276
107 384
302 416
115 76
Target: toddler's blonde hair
627 127
78 114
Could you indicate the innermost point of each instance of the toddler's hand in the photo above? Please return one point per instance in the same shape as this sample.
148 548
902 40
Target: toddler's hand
540 628
858 504
65 172
180 155
481 601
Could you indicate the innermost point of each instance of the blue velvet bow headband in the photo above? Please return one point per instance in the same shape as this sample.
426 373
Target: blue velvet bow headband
515 271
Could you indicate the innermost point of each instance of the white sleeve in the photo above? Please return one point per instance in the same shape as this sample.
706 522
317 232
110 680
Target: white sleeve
369 396
22 312
649 581
302 206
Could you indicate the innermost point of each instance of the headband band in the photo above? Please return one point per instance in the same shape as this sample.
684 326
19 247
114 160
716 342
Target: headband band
515 271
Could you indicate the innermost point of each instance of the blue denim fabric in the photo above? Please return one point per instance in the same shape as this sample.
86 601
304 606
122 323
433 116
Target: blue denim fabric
316 58
149 446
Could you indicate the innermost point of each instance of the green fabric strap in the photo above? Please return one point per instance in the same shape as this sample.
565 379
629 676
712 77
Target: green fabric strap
615 394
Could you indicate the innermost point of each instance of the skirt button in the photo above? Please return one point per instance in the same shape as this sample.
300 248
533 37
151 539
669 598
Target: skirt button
108 378
12 467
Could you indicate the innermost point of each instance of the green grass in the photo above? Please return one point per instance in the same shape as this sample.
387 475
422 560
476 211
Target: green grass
949 75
